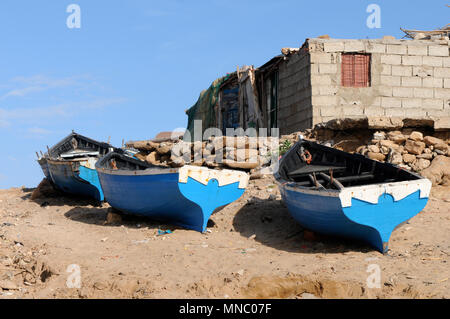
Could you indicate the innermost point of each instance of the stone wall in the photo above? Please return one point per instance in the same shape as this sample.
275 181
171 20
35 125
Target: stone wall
410 79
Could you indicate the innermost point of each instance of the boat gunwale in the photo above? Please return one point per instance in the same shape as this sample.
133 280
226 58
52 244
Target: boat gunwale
55 148
65 161
151 170
336 192
148 171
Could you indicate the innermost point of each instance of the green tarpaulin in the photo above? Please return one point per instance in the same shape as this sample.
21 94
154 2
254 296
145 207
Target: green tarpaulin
204 108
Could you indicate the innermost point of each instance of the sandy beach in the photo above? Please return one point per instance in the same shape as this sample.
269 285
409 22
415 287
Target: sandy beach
252 249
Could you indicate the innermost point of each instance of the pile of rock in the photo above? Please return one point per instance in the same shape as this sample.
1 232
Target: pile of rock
413 150
233 152
409 150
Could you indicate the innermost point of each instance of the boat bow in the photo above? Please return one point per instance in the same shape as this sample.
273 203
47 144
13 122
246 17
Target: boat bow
211 189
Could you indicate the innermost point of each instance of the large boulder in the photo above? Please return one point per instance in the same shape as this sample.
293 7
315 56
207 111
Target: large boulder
414 147
374 149
379 136
409 158
388 143
376 156
430 140
153 158
439 171
143 145
424 155
442 147
242 165
397 137
416 136
420 164
164 148
395 158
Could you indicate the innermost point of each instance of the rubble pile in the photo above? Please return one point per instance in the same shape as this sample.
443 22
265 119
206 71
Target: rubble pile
423 152
239 152
21 267
427 155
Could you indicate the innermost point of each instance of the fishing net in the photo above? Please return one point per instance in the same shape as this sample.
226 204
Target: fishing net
204 109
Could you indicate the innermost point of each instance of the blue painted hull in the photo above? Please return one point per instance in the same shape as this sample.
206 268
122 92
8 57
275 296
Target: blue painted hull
73 179
369 222
162 197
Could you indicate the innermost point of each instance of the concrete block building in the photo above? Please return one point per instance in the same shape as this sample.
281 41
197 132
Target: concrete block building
375 79
387 82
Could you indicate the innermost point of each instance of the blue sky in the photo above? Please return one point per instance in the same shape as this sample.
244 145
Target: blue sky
134 66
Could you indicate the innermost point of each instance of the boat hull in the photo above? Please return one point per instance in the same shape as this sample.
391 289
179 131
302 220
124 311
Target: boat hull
371 219
174 197
44 166
75 178
337 193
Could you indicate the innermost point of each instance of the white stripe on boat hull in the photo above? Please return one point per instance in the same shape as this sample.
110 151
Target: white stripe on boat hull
369 193
204 175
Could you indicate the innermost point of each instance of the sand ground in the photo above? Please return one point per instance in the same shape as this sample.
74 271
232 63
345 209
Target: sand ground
253 249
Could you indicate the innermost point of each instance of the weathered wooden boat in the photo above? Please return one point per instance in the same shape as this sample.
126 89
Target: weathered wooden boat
333 192
42 161
185 196
71 165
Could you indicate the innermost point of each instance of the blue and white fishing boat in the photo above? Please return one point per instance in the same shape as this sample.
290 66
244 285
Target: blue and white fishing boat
185 196
71 165
337 193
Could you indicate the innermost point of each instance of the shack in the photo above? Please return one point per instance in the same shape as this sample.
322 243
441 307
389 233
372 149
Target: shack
383 83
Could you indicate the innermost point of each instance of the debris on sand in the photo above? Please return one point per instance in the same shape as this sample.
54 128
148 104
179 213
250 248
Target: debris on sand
112 217
45 189
163 232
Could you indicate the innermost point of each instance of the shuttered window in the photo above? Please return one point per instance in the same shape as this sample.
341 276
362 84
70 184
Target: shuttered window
355 70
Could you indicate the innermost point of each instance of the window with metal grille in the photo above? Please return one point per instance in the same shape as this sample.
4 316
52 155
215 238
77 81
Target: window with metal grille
355 70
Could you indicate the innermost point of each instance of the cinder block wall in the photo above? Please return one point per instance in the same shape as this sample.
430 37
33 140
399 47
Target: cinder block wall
409 79
294 93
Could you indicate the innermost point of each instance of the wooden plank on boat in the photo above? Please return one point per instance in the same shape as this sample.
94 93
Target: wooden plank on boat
355 178
333 181
308 169
314 180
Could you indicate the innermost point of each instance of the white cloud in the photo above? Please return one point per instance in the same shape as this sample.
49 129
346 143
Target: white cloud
23 91
17 113
37 114
49 81
100 103
38 131
39 83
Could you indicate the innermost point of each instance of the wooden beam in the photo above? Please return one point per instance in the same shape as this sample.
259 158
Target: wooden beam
335 182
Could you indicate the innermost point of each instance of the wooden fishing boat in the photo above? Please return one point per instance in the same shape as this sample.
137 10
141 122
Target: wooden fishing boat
337 193
71 165
42 161
185 196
